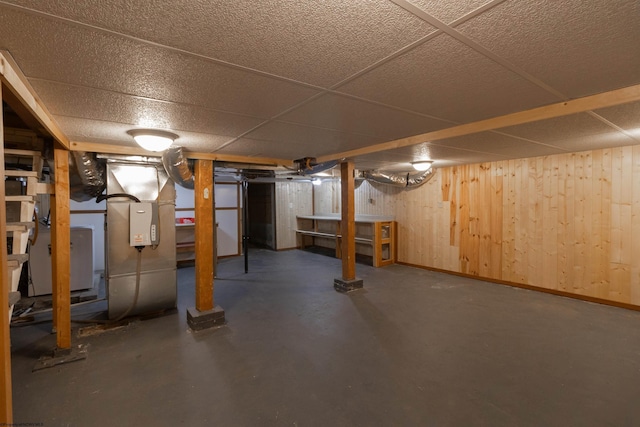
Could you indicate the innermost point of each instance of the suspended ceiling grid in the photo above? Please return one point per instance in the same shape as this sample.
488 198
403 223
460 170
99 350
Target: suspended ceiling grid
307 78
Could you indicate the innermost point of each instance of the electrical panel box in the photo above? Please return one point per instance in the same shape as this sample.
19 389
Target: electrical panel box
143 224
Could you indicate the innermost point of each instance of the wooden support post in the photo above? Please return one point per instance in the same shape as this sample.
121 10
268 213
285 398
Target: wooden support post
6 399
348 223
205 314
203 192
61 250
348 282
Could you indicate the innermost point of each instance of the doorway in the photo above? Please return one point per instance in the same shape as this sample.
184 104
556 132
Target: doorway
262 215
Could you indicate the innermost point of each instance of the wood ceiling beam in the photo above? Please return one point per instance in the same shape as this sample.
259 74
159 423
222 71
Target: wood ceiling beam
21 91
94 147
565 108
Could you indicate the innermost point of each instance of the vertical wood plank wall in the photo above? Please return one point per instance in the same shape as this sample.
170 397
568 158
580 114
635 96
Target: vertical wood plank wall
567 222
292 199
370 199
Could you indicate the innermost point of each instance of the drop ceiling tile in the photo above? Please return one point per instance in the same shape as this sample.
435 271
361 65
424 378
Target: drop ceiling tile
560 128
392 163
578 47
594 142
264 148
449 11
626 116
429 151
95 104
446 79
317 42
96 131
386 166
309 141
495 143
576 132
423 151
346 114
55 51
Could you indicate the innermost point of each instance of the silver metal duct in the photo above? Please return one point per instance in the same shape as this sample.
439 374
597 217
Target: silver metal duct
380 177
399 180
177 166
310 168
86 178
418 179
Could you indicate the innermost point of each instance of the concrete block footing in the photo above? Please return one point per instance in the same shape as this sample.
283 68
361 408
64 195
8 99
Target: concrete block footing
342 285
199 320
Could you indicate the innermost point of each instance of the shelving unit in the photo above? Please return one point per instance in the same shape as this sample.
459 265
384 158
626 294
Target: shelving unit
21 188
185 243
375 235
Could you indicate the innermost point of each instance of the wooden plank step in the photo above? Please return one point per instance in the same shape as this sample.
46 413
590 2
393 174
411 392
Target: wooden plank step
20 173
22 153
19 198
19 226
16 260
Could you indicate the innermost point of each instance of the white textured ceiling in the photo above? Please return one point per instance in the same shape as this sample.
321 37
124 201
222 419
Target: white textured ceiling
290 79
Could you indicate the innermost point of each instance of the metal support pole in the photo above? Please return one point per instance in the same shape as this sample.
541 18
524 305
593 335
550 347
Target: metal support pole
245 224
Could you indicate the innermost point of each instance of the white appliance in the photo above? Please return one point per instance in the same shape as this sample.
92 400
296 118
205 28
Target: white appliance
81 261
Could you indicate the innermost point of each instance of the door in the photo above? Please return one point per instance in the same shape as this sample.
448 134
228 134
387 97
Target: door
262 225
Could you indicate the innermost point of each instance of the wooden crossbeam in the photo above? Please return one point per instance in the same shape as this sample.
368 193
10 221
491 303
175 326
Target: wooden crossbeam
137 151
580 105
23 97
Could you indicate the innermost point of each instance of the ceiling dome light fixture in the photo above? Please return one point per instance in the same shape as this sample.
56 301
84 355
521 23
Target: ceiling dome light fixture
422 165
153 139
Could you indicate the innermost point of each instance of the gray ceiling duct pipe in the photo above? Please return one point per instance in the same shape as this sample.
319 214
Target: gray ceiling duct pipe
86 175
177 167
307 166
399 180
417 179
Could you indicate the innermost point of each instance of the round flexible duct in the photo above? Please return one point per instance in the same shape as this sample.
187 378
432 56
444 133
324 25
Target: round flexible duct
86 176
399 180
177 167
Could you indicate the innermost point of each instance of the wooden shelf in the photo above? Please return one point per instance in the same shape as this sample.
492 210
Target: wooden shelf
185 243
375 235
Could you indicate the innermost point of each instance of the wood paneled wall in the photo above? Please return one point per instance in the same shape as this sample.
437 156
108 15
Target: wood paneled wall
326 197
370 198
292 199
567 222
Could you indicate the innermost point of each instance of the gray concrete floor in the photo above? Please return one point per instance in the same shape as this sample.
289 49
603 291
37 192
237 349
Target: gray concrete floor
413 348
